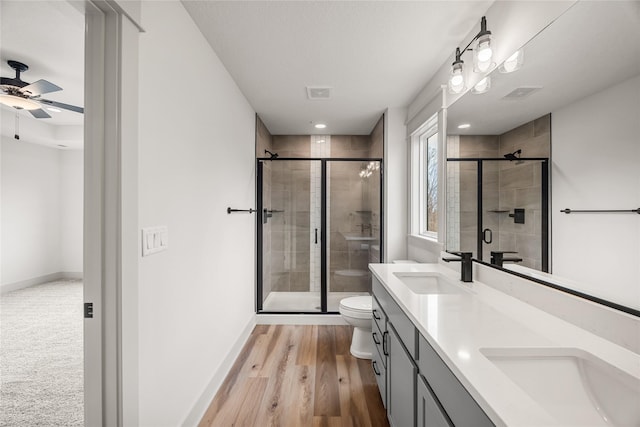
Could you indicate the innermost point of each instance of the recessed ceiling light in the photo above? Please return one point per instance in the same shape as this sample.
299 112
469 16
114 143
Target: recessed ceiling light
320 125
464 126
55 110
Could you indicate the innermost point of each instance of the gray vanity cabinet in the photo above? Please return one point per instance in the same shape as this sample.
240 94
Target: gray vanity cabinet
417 387
428 410
402 374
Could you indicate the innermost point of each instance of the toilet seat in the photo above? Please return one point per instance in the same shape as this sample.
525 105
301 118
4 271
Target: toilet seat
357 307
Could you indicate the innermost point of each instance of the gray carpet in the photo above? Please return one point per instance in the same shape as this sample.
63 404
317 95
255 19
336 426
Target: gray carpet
41 355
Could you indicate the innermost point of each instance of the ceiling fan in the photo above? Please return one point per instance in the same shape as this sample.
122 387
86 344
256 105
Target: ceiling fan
27 96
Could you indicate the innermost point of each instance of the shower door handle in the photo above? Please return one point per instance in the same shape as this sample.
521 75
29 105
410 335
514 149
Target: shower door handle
316 236
484 236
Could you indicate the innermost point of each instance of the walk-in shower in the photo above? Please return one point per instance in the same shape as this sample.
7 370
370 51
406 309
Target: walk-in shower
319 225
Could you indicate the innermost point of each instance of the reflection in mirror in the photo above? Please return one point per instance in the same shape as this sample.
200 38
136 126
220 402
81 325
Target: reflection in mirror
573 97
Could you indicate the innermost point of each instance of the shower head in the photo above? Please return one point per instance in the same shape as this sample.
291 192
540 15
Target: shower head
273 155
513 156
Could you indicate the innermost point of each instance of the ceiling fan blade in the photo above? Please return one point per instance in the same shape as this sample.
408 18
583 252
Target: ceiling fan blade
39 114
40 87
61 105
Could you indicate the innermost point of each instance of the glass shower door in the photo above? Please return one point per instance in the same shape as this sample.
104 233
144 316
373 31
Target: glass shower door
353 221
289 230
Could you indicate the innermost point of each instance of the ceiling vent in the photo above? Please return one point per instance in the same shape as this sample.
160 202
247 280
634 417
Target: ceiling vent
522 92
318 92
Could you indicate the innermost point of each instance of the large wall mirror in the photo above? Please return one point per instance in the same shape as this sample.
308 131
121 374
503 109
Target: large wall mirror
557 129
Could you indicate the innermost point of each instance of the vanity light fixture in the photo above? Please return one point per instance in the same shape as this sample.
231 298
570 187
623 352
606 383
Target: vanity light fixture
456 80
482 86
482 58
512 63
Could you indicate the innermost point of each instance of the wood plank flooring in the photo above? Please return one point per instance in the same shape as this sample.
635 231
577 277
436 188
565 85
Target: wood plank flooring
293 375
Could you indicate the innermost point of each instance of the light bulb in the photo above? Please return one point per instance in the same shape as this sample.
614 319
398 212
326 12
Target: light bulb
482 86
484 51
456 81
513 63
483 54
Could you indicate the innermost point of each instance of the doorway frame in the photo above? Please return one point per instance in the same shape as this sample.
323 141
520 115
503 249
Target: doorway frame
111 212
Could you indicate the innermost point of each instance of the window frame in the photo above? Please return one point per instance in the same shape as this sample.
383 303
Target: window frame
418 179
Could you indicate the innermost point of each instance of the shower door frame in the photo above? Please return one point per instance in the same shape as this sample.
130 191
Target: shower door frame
544 163
323 226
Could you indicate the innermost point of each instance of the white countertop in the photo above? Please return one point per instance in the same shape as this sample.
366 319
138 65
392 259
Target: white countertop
458 325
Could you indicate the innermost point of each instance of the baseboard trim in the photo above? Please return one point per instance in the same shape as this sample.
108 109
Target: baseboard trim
300 319
201 406
60 275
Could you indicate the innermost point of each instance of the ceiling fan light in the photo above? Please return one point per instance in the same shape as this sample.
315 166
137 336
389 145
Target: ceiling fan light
19 102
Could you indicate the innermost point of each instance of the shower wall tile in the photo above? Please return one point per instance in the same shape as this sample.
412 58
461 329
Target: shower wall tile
294 146
529 198
542 125
280 282
377 140
517 177
264 140
478 146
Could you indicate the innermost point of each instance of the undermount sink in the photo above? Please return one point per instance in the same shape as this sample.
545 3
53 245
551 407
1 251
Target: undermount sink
574 386
428 283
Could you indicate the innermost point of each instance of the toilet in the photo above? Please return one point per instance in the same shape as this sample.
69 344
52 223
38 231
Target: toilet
356 311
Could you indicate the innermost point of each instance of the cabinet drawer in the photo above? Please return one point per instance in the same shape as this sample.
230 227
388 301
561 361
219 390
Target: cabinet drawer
461 408
403 326
381 375
379 318
379 343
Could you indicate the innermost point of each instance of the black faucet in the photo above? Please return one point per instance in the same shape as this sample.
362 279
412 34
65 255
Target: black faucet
498 258
466 270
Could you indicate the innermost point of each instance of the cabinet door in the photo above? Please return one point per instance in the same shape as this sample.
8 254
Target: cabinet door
429 412
401 383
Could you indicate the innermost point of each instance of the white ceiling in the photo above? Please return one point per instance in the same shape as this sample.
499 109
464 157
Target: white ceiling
374 54
48 36
594 45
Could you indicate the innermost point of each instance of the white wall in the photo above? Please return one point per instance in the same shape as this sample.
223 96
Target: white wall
395 184
41 212
196 152
71 196
596 165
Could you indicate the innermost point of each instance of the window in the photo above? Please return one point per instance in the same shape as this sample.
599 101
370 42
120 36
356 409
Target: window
429 178
424 180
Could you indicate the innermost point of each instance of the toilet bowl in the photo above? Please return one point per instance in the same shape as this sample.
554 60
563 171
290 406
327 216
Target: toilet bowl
356 311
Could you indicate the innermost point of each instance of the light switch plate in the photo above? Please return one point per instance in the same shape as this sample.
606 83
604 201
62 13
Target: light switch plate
154 239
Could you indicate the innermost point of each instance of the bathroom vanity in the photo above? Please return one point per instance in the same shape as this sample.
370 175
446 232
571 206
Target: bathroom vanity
449 353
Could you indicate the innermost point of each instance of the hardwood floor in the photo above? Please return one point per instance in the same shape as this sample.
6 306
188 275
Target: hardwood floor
298 376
